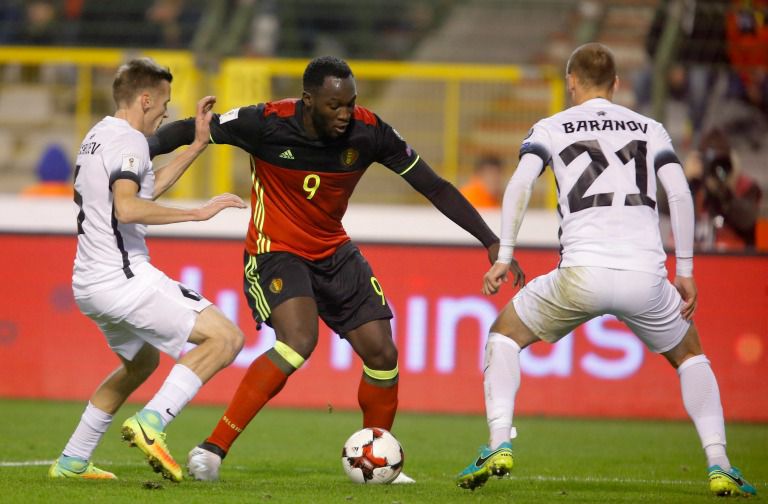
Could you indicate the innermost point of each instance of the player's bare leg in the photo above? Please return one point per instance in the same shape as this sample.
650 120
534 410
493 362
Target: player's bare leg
501 380
296 331
378 389
218 342
701 398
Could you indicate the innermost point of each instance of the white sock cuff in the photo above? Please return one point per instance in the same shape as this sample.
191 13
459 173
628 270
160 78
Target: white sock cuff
715 439
495 337
185 379
698 359
101 416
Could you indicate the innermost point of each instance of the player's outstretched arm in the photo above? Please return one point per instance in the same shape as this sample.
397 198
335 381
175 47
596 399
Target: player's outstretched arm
167 175
219 203
130 208
451 203
516 197
171 136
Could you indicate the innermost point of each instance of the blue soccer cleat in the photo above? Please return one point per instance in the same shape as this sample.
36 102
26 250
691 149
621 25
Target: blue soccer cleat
489 462
729 483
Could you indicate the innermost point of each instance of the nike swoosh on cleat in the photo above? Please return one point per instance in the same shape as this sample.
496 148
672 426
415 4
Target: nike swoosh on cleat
481 460
168 410
148 439
733 478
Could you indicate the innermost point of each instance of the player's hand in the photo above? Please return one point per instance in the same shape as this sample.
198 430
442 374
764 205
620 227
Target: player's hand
219 203
203 120
686 286
494 278
518 275
493 252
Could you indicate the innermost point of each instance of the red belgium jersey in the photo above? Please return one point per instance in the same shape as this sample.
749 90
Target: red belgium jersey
301 186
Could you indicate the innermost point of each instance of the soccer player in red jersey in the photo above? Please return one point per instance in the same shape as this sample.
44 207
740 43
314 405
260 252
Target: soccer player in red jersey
307 155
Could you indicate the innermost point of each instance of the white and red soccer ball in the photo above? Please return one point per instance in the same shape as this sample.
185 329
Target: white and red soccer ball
372 455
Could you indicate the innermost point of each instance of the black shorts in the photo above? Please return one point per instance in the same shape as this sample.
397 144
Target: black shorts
343 285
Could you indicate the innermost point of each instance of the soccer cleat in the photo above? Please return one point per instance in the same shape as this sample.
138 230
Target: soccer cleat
403 479
729 483
203 465
145 430
496 462
74 467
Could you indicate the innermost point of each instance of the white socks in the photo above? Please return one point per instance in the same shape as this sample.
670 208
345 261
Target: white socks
501 379
178 389
701 398
93 424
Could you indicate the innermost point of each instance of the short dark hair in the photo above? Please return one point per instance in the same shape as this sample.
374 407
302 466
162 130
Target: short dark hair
324 66
135 76
593 65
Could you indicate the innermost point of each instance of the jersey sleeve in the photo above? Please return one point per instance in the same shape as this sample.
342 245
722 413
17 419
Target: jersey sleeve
661 152
516 198
538 142
241 127
130 160
670 172
392 150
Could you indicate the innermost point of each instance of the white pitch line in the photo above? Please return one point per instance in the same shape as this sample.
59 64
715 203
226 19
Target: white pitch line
37 463
22 463
592 479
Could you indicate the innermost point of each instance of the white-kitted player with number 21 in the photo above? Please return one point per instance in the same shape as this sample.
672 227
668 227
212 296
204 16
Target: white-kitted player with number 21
606 159
140 311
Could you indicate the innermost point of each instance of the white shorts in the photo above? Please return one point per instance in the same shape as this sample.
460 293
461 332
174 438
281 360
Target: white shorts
554 304
148 308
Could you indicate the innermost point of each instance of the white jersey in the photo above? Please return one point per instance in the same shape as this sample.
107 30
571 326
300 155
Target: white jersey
605 159
107 249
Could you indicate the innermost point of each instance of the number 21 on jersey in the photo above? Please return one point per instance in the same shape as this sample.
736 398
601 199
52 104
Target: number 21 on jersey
636 149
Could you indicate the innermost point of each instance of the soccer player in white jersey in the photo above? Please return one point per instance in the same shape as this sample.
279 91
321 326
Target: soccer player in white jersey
140 311
606 159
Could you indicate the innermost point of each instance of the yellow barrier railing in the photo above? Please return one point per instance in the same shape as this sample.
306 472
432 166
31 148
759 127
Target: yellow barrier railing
449 113
186 83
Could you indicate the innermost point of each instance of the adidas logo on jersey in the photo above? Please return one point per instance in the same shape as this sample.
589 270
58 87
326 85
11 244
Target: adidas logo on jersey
287 154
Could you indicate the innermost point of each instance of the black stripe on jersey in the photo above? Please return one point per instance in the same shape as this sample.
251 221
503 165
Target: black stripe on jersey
121 246
123 174
664 158
536 149
79 203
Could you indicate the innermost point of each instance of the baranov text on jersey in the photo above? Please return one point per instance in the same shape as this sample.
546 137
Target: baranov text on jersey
604 125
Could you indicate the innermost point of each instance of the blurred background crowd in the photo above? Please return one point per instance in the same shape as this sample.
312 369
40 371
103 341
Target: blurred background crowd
698 66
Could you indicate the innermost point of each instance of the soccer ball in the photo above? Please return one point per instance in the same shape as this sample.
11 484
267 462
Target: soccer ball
372 455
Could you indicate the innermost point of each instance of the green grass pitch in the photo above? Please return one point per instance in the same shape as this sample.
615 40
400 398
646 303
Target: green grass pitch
293 456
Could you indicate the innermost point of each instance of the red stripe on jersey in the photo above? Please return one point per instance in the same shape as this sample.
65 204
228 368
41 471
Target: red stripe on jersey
365 115
283 108
298 211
